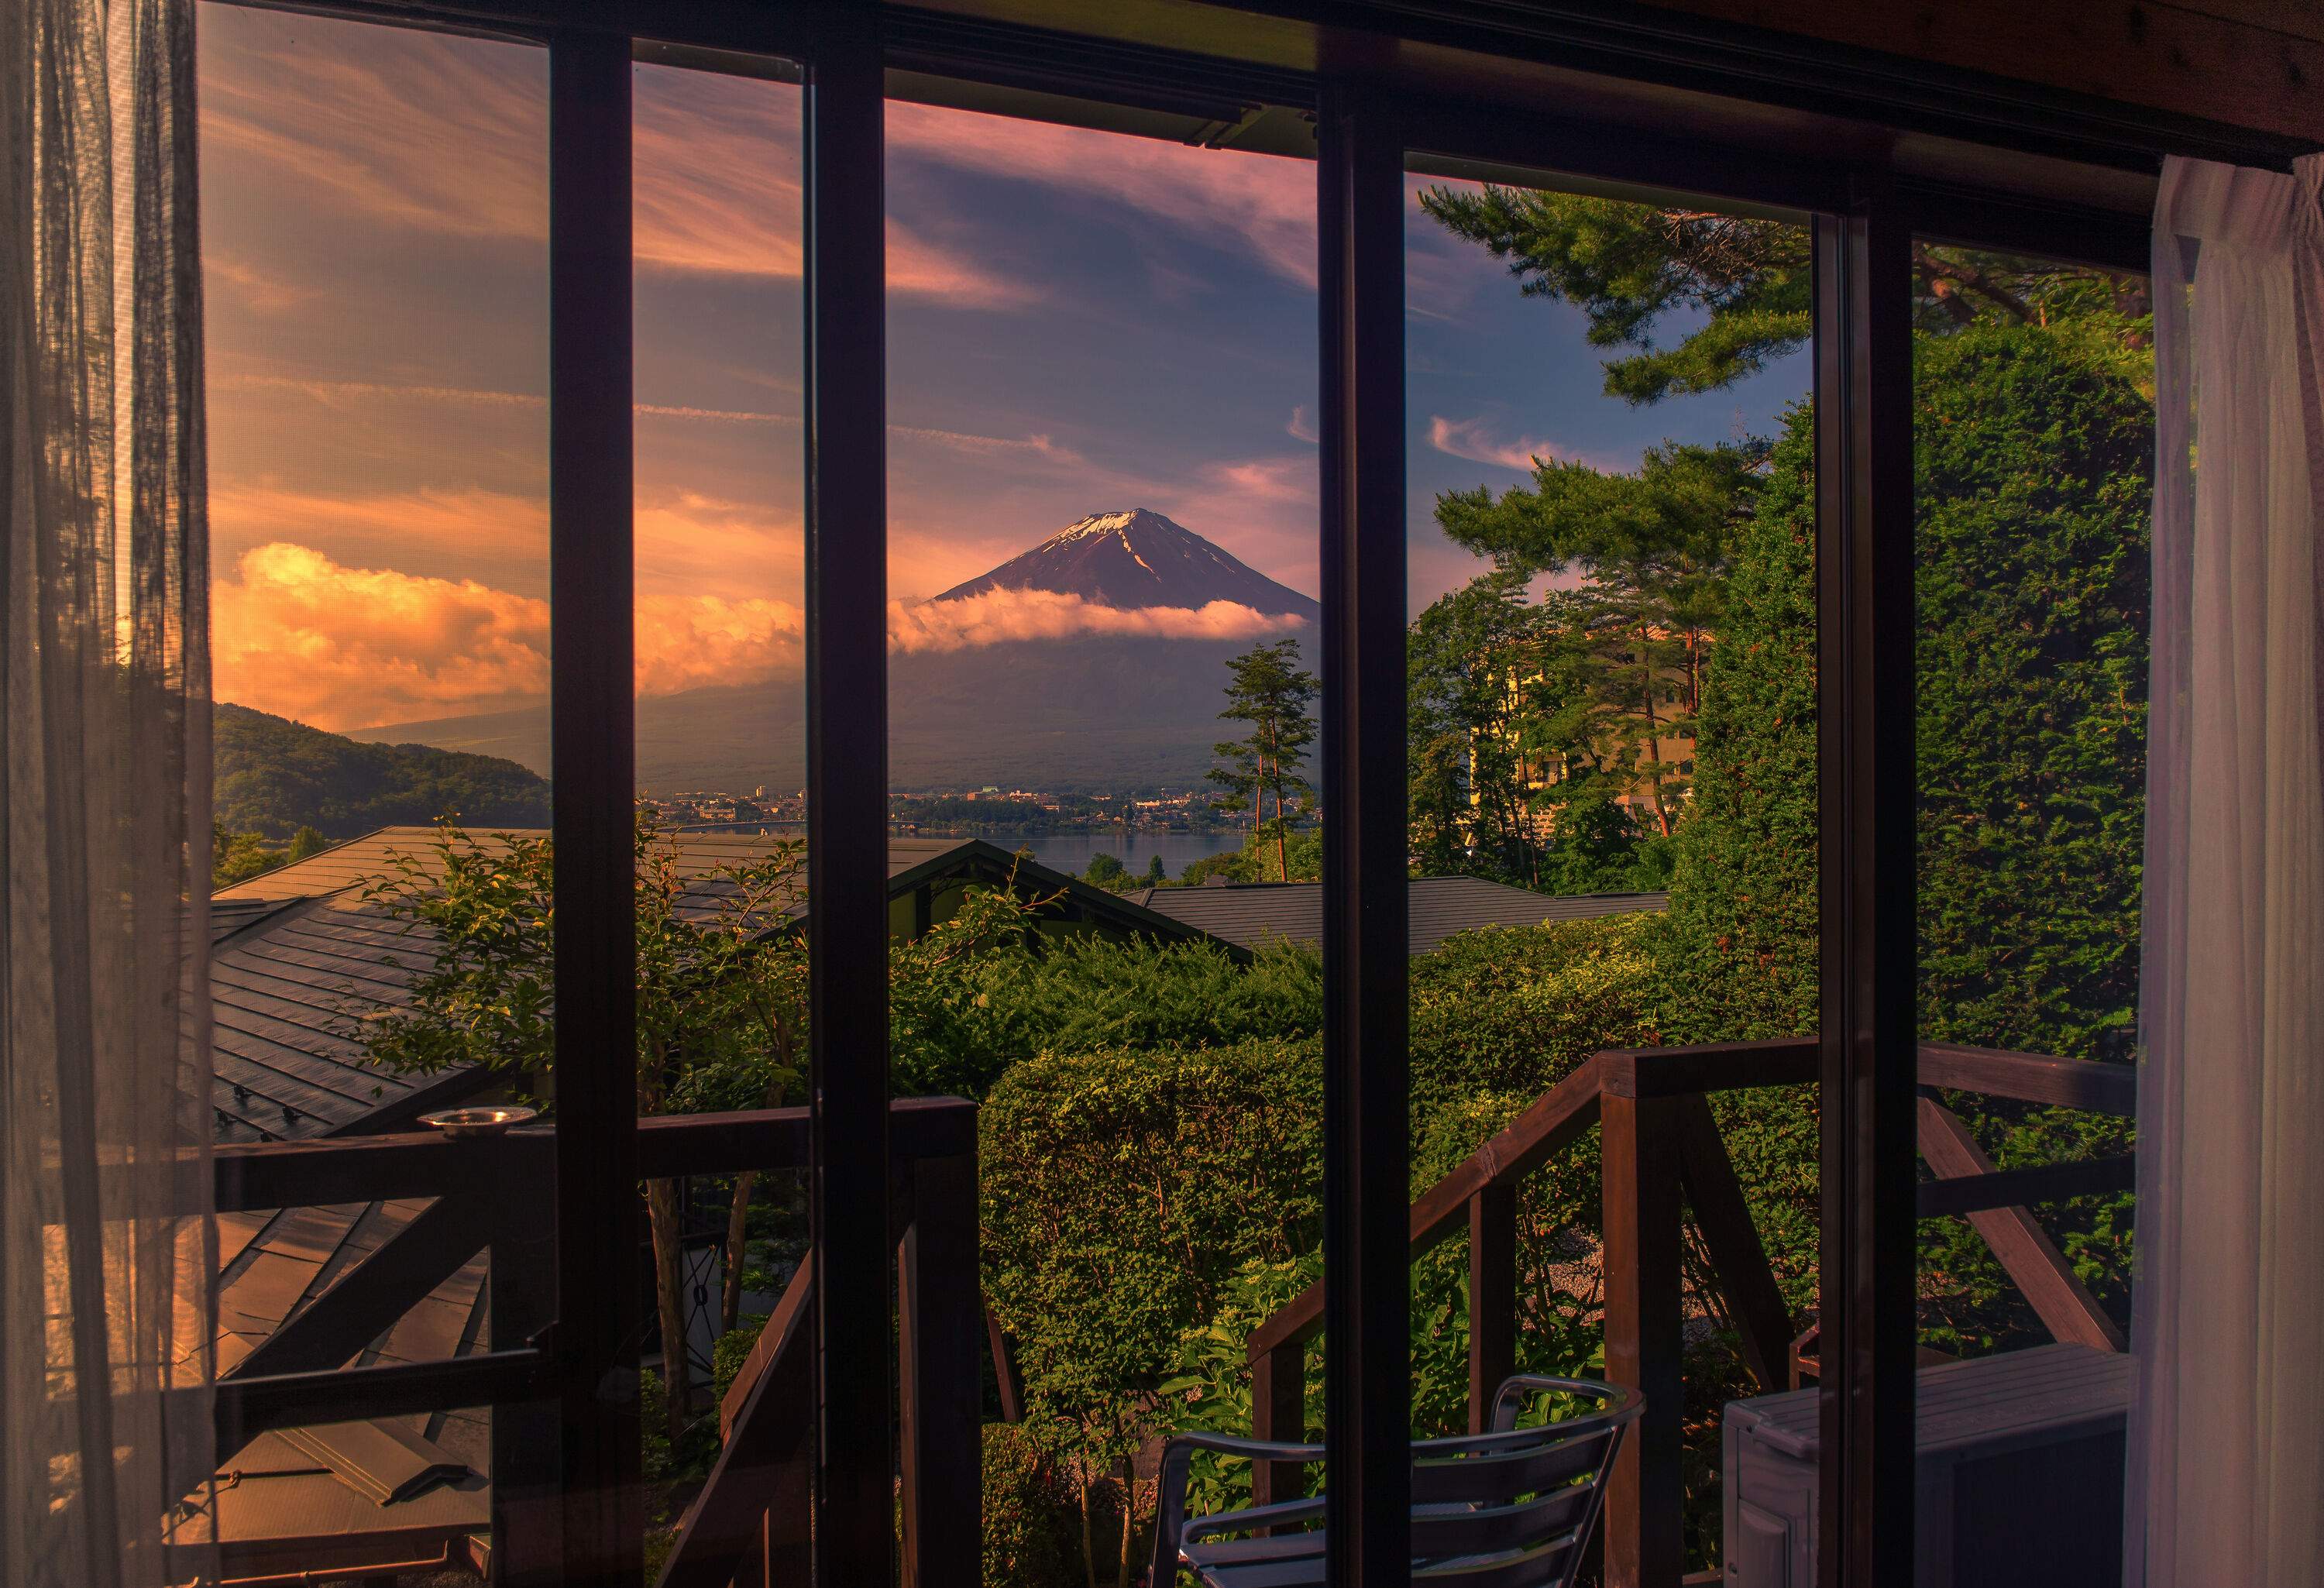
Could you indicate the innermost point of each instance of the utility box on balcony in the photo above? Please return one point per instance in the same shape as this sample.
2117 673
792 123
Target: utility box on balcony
2020 1469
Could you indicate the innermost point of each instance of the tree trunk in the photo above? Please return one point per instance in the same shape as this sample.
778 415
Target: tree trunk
1089 1544
1653 748
664 1217
729 1303
1129 1516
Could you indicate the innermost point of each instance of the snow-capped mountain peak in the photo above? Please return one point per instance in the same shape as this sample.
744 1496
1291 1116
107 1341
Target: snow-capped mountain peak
1138 558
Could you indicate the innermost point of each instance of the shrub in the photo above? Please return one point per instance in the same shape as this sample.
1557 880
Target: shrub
959 1034
1519 1009
1122 1188
1032 1517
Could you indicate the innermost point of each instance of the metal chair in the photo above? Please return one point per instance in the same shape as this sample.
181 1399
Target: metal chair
1508 1509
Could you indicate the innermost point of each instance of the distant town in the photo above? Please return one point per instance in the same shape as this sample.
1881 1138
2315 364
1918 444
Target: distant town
989 808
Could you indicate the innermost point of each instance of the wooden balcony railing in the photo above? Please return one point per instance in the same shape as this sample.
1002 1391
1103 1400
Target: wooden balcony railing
498 1195
1663 1157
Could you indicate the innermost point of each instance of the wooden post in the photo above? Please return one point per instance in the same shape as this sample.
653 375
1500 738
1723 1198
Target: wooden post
939 1302
2065 1307
527 1552
1492 1298
1279 1411
1644 1547
1737 1260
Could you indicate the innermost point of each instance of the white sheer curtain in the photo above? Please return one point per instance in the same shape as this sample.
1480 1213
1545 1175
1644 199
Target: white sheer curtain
107 1241
2227 1460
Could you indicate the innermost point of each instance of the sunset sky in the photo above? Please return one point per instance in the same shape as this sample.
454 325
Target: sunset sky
1078 322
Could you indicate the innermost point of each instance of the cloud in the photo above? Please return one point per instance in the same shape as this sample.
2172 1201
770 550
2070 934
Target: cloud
261 289
1039 446
1300 426
1268 479
340 394
1264 203
451 135
295 632
686 643
1466 438
998 616
514 527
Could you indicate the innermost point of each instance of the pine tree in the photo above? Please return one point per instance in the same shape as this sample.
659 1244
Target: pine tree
1269 690
1651 549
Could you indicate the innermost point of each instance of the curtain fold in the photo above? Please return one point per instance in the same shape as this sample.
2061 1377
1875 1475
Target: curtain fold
108 1243
2227 1446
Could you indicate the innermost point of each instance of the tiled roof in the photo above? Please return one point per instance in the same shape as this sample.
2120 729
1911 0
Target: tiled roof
289 991
301 960
1252 914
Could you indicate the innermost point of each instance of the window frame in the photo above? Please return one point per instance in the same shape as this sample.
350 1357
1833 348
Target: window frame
1864 212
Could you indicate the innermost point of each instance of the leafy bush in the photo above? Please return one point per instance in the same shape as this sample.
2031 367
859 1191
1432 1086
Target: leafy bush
958 1034
1519 1009
1122 1190
1032 1515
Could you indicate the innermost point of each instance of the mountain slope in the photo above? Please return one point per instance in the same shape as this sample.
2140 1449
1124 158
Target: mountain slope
1090 711
275 776
1137 559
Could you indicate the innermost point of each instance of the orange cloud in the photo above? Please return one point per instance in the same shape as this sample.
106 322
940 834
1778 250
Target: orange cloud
686 643
300 635
998 616
294 633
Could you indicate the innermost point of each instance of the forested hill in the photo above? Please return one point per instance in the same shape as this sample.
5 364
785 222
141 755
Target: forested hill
275 776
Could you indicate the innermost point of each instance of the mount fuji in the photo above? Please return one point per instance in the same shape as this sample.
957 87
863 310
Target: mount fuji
1139 559
1086 710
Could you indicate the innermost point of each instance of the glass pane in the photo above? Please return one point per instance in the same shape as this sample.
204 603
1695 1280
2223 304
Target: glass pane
1612 796
375 212
1102 561
2035 442
721 725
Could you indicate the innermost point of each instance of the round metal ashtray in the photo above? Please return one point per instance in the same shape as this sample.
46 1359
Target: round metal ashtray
461 1122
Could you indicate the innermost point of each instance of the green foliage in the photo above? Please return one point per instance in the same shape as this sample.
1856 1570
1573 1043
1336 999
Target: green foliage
236 857
307 842
1609 675
1106 871
1122 1190
958 1030
1743 892
1270 693
1515 1010
1155 876
1741 286
1032 1514
2032 594
274 775
1264 857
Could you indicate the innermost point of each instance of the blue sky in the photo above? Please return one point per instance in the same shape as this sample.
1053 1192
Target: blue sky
1078 322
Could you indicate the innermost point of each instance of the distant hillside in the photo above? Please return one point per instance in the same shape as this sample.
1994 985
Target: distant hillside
1104 713
275 776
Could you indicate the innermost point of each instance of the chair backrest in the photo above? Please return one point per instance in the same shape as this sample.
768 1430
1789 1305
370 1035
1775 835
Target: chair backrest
1513 1508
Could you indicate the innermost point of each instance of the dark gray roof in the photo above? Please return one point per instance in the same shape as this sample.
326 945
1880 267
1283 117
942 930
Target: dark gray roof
301 961
1251 914
295 1496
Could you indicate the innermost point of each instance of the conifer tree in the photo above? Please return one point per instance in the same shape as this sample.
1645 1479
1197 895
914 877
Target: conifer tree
1269 690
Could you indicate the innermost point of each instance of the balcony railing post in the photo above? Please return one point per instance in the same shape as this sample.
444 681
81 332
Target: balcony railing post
1492 1296
523 1296
1279 1411
1643 1545
940 1304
